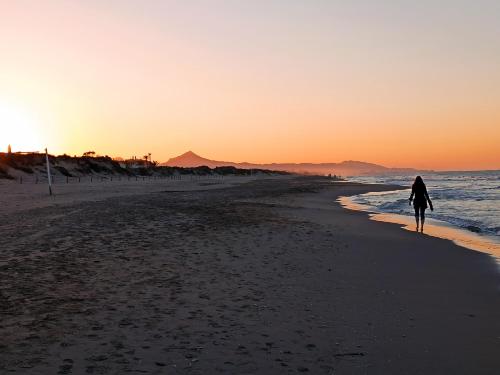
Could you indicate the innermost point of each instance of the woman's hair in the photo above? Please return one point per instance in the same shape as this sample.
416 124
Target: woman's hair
418 181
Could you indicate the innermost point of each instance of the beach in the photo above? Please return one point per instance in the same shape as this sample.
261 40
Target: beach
250 276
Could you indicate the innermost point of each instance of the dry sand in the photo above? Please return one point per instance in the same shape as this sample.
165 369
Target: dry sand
15 197
267 277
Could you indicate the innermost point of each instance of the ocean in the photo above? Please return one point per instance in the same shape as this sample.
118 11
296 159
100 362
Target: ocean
466 200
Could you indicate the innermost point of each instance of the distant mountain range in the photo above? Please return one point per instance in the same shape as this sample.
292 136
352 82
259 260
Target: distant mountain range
345 168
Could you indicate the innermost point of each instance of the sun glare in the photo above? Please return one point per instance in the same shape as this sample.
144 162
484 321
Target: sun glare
18 128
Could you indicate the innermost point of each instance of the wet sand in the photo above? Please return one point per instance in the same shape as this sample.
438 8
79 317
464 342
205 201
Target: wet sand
435 228
266 277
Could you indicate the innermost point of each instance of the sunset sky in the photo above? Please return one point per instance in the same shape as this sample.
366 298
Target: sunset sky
400 83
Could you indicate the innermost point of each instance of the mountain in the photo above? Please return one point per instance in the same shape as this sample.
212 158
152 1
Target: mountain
345 168
190 159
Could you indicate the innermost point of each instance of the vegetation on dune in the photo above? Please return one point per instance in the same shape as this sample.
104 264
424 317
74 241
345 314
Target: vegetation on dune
73 166
4 174
23 164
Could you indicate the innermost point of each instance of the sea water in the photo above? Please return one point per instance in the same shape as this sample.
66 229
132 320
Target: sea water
466 200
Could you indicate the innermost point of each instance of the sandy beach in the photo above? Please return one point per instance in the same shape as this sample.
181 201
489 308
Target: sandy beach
249 276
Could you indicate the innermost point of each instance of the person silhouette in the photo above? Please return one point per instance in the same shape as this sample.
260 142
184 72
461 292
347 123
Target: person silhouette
419 190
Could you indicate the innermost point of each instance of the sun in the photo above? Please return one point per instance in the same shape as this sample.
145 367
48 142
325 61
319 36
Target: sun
19 128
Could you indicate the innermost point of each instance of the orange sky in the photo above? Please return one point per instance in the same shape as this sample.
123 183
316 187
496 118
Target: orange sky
399 84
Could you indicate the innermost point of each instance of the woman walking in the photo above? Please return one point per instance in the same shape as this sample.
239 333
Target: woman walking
419 190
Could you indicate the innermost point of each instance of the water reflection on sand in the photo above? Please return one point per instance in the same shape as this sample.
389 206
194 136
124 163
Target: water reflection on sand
435 228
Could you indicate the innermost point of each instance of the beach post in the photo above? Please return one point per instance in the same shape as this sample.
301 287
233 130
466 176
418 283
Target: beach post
49 177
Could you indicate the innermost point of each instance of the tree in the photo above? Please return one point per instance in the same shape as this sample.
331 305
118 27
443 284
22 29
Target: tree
89 154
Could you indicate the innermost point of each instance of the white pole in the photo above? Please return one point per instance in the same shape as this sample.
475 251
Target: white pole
48 171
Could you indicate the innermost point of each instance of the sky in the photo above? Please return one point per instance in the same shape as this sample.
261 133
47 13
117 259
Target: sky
399 83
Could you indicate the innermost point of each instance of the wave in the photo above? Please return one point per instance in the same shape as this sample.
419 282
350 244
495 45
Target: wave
468 200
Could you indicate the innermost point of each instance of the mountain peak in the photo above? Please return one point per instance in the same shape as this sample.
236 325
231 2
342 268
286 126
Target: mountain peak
188 159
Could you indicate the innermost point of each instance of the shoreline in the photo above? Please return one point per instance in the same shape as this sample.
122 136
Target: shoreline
433 227
272 276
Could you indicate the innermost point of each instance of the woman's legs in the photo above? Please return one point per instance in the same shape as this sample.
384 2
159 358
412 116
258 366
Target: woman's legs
422 218
416 215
